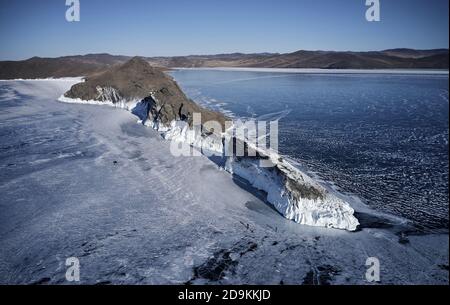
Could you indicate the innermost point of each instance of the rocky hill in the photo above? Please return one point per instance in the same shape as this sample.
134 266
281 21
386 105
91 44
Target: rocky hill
68 66
135 80
158 101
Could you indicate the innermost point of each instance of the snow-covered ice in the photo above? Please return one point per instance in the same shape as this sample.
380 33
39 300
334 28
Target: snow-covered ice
283 186
91 183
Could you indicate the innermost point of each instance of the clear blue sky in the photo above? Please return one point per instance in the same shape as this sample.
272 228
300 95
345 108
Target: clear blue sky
181 27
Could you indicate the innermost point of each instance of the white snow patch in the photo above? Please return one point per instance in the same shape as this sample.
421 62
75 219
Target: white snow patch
61 79
176 130
42 88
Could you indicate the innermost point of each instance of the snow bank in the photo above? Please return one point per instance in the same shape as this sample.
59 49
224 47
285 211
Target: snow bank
180 132
177 130
61 79
42 88
64 99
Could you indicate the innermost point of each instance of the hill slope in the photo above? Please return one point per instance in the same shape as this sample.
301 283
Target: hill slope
136 80
68 66
389 59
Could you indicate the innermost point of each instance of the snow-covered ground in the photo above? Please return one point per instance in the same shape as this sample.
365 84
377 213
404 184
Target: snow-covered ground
281 182
87 181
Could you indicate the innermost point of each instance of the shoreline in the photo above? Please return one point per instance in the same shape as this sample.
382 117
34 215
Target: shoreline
175 216
328 210
354 201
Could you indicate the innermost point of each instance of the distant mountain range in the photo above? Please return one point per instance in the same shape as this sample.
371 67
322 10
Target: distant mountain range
388 59
83 65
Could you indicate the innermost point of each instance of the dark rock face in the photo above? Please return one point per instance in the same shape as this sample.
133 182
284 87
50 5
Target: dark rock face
135 80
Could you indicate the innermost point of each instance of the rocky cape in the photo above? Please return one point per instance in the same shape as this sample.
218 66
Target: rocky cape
158 101
137 81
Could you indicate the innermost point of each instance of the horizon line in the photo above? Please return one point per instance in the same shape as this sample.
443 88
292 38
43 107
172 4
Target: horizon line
230 53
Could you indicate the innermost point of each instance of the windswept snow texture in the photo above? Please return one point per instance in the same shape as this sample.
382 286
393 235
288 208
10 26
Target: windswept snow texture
383 137
288 189
87 181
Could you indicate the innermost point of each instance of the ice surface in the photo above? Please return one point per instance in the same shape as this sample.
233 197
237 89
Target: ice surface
326 211
381 137
328 71
90 182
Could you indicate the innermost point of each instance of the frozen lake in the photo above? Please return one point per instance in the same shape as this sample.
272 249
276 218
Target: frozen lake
382 136
88 182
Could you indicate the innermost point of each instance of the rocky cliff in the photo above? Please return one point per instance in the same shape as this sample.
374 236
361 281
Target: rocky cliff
292 192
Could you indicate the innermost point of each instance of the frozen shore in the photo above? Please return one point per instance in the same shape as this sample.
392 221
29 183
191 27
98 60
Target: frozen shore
291 192
90 182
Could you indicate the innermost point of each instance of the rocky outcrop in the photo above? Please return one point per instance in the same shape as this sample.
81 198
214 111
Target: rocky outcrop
157 100
292 192
137 82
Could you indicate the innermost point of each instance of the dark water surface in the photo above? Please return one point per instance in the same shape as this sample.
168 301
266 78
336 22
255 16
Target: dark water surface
382 137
